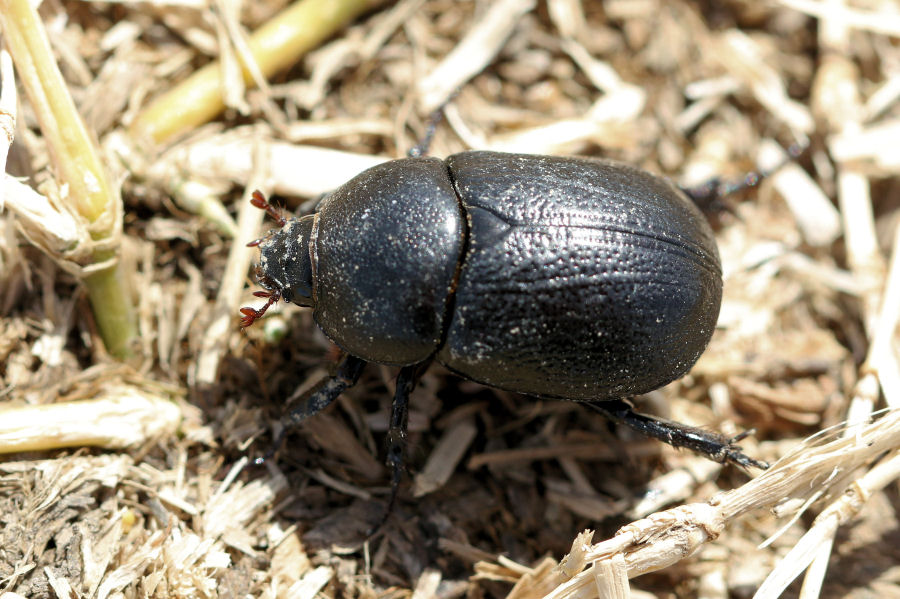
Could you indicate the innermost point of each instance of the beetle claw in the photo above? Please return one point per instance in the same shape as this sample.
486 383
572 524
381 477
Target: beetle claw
734 455
251 315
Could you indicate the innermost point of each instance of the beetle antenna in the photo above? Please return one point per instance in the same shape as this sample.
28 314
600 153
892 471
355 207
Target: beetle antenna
251 315
259 200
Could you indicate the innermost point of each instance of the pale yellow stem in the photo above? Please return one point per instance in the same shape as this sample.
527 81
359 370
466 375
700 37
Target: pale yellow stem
275 46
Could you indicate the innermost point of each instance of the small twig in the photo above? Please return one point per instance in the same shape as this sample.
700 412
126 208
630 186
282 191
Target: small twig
474 52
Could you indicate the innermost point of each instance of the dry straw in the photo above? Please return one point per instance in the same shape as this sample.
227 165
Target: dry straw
808 331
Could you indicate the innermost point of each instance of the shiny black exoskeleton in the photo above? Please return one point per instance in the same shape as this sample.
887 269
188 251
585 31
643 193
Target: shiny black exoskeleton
565 278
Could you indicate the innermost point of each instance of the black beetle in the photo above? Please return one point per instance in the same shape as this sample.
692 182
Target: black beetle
568 278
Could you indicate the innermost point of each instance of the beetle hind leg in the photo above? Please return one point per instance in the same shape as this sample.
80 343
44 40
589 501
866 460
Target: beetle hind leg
714 446
317 399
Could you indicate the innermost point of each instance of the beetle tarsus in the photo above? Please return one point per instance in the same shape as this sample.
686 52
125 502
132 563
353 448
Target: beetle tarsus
734 454
251 315
707 443
273 448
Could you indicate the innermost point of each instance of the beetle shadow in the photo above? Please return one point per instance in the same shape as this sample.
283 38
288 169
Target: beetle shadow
543 466
536 472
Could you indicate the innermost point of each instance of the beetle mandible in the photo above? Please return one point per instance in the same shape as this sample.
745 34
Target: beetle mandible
567 278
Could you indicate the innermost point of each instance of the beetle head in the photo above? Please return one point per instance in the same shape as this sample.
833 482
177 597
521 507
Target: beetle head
285 269
285 266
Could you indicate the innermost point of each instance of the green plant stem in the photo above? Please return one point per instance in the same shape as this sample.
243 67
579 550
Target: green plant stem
115 319
77 164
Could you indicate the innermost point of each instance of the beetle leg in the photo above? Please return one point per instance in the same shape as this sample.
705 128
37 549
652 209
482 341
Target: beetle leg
434 119
713 193
317 399
397 433
716 447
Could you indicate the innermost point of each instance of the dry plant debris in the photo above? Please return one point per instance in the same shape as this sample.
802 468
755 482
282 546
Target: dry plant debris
133 480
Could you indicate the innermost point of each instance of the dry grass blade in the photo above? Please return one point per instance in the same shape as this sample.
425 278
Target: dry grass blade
742 56
445 458
472 54
275 46
882 358
123 417
886 22
816 216
292 169
816 544
222 320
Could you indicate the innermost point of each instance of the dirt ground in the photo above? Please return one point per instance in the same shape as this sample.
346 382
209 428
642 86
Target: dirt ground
127 469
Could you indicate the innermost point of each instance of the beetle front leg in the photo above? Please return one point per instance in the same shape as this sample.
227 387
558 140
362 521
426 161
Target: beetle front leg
712 445
317 399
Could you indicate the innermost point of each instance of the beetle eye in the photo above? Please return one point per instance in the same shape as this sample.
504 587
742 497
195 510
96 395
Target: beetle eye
300 294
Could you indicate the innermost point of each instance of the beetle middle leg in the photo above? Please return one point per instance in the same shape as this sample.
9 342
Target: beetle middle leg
397 436
317 399
397 433
713 445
